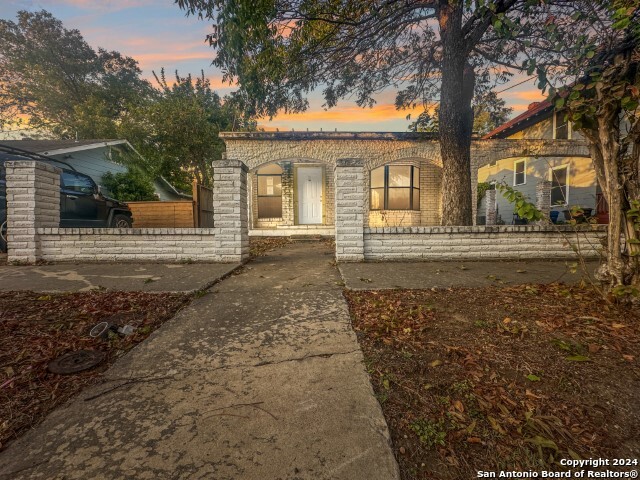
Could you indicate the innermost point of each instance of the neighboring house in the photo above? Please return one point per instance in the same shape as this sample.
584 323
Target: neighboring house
94 158
573 179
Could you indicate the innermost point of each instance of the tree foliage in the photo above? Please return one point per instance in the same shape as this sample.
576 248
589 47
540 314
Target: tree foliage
130 186
429 51
50 78
177 131
489 111
595 81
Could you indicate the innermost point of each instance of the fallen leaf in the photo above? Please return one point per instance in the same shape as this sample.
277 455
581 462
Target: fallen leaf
506 320
629 358
458 405
436 363
533 378
474 440
593 348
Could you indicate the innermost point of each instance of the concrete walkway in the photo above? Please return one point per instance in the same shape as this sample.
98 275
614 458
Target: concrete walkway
132 277
421 275
261 379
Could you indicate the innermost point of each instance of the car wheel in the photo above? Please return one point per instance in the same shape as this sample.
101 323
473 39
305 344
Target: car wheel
121 221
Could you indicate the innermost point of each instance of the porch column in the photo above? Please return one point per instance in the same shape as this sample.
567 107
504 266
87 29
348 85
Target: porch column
33 202
230 214
543 199
349 189
490 207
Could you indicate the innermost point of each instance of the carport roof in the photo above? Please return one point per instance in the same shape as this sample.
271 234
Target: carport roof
55 147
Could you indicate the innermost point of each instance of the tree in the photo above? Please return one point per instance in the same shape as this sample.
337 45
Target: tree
596 82
431 50
52 79
489 111
176 131
130 186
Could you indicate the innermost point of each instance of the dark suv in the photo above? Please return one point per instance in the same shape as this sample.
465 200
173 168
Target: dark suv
82 204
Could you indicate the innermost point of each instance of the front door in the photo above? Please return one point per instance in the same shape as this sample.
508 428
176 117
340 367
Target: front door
309 195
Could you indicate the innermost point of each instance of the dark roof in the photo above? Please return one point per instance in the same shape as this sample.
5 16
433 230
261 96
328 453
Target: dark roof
44 146
532 115
302 135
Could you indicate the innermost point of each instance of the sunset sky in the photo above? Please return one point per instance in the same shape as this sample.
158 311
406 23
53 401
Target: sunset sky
157 34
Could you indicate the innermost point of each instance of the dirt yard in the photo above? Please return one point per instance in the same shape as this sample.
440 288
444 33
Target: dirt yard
501 378
36 329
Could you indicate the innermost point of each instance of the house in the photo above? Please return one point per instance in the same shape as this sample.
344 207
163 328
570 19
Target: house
93 157
573 179
292 176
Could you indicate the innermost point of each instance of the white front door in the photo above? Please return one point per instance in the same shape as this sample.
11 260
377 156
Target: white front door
309 195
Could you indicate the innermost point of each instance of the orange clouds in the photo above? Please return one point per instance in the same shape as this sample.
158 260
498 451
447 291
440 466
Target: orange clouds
350 114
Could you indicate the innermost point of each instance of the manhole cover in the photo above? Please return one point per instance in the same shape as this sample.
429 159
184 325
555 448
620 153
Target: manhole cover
74 362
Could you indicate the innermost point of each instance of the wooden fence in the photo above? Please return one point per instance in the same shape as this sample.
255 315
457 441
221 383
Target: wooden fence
202 206
177 214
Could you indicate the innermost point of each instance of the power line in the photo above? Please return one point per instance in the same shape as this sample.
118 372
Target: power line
519 83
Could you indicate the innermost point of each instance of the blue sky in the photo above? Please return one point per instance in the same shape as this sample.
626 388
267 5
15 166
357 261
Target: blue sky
158 34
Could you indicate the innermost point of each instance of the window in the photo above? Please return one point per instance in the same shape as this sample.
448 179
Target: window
270 191
395 187
77 183
560 126
519 173
560 186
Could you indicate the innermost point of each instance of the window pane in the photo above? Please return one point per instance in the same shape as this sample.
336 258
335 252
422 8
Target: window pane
377 178
273 169
416 199
399 198
399 175
269 207
416 177
377 199
270 185
562 127
519 173
559 186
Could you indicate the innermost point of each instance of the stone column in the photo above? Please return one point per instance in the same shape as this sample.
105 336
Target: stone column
230 214
543 199
33 201
350 196
474 191
490 207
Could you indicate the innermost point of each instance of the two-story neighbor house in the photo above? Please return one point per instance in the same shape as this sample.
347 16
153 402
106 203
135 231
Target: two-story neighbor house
573 179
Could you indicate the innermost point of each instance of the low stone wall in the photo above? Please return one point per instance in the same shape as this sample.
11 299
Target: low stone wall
482 242
127 244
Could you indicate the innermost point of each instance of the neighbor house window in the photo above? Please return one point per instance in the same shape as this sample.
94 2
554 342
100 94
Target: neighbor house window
270 191
561 128
395 187
560 185
519 174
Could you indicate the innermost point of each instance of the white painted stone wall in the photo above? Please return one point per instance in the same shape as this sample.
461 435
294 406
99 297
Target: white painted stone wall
127 244
230 211
349 184
33 201
479 243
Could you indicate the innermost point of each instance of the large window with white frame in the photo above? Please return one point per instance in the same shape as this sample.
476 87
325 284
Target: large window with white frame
395 187
560 185
519 172
270 191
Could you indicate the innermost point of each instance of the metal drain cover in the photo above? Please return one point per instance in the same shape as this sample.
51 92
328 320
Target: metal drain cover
74 362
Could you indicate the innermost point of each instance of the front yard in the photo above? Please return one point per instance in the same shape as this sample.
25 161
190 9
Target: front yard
492 379
36 328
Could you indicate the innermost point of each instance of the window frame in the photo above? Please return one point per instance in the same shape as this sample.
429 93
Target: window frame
515 172
555 127
551 175
259 196
413 185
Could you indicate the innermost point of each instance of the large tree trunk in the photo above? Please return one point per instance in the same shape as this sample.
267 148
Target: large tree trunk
456 118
